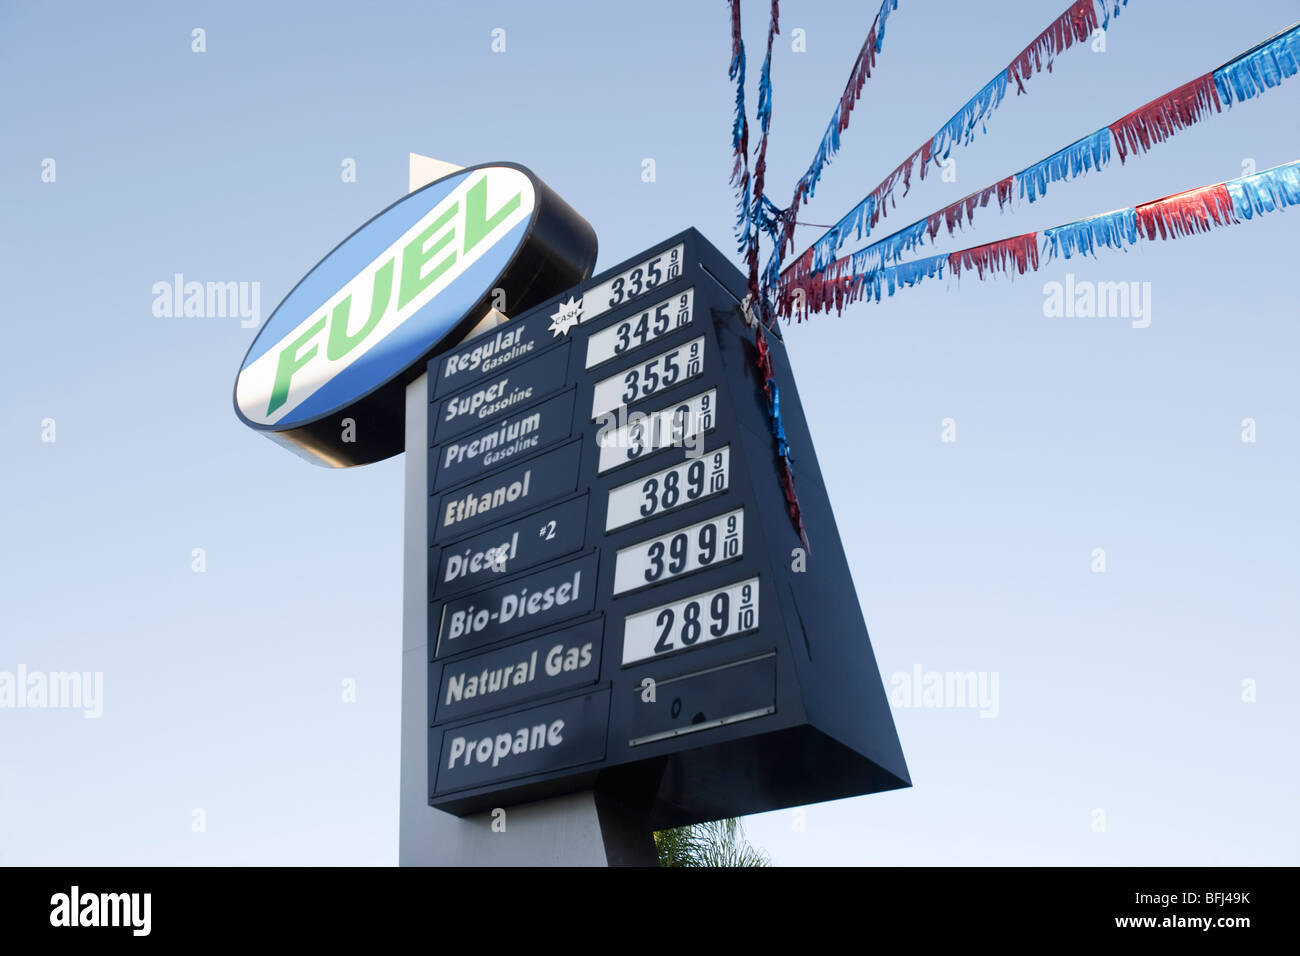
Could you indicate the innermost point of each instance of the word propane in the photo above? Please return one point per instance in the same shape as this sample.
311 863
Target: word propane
538 737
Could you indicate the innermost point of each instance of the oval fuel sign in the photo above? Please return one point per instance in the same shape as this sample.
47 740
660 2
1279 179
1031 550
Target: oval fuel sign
327 372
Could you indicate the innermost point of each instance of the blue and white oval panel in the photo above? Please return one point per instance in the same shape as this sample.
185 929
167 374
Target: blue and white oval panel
326 374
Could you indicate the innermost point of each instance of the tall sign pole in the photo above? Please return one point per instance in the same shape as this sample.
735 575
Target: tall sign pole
573 830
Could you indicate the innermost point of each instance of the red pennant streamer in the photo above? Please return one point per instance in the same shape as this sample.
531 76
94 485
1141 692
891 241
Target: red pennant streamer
1161 118
1073 26
951 215
862 67
1197 210
858 77
995 256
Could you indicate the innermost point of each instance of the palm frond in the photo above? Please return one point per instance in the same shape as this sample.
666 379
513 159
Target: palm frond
717 843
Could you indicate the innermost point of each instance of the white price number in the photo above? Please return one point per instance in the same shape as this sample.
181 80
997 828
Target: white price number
642 278
631 333
706 617
669 556
644 434
669 489
649 378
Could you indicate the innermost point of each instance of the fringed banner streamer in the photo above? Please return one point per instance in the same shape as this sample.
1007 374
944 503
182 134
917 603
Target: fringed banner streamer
911 273
765 76
1265 192
769 217
754 227
1186 213
1073 26
830 142
739 131
1162 117
891 248
960 130
763 360
1020 251
1091 152
1114 230
1265 67
952 214
760 215
835 288
1141 129
1183 214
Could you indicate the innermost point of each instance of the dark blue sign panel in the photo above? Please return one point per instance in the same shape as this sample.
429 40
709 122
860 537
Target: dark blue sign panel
551 737
511 438
506 493
515 388
536 667
493 352
704 700
648 554
492 555
524 604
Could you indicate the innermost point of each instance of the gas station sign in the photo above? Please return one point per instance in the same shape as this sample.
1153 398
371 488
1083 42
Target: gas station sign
645 629
618 599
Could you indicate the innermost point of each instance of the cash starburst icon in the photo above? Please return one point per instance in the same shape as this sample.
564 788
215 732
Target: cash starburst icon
566 317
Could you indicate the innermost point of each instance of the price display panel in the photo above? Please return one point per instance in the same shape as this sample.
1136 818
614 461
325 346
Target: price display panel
693 548
674 487
611 574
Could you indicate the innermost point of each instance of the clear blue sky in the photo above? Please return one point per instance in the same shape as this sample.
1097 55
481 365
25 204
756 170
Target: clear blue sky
1119 692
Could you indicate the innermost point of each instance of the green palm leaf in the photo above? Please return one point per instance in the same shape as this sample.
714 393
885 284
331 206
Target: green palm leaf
718 843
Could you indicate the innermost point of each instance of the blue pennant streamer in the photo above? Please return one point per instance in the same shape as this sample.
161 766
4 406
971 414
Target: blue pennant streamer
960 130
738 122
736 72
882 16
829 146
772 275
765 93
908 274
1266 192
1248 76
1113 230
825 248
1091 152
830 143
876 282
865 260
905 240
769 217
744 221
858 220
1106 11
890 249
778 428
774 413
